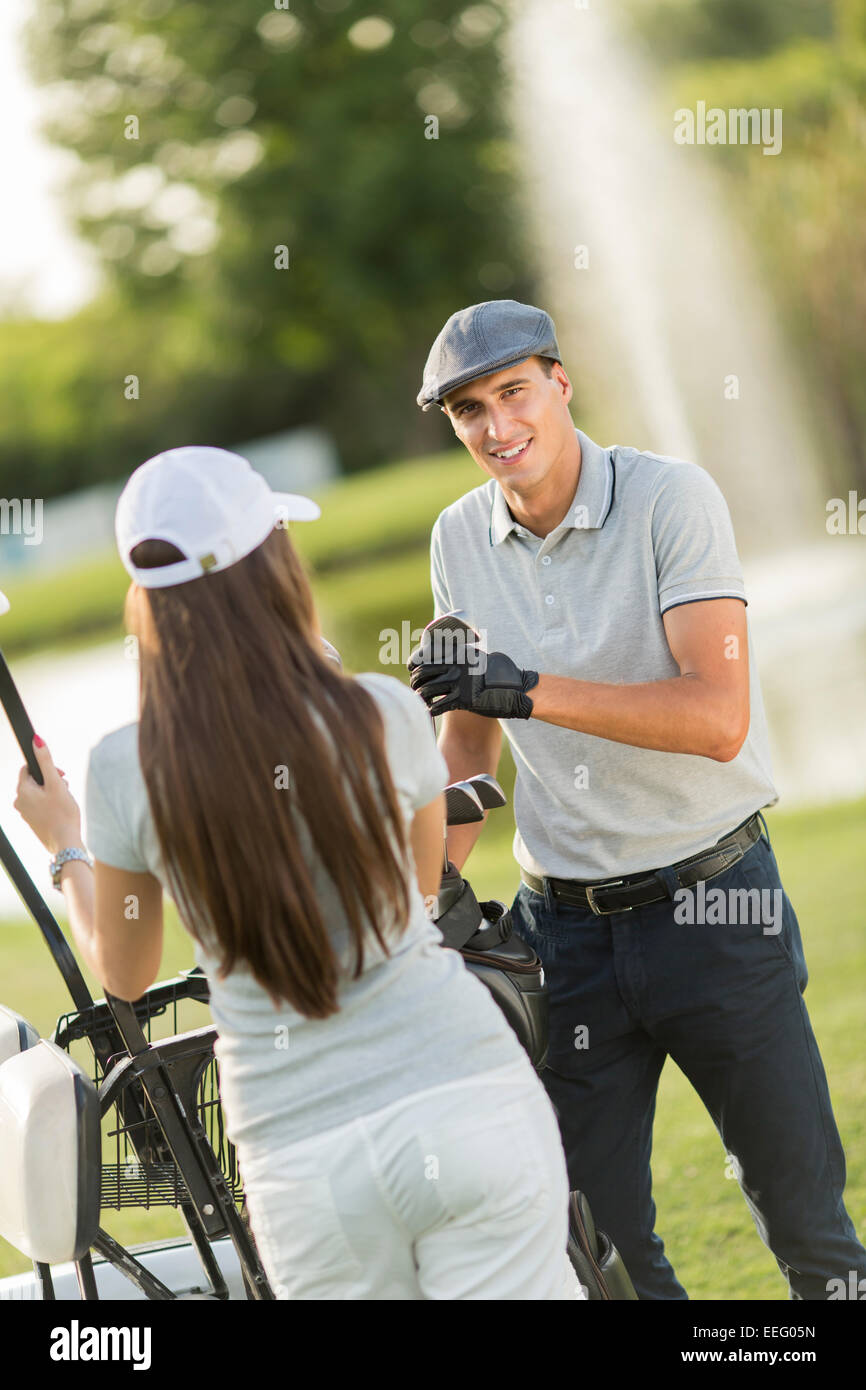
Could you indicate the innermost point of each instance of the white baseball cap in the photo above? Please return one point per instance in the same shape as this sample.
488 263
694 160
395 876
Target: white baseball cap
210 503
4 604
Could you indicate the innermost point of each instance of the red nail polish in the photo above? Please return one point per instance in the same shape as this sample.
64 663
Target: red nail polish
40 742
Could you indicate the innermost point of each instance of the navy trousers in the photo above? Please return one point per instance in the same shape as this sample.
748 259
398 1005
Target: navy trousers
724 999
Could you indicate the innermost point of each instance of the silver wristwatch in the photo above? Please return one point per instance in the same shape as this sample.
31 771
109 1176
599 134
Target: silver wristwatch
64 857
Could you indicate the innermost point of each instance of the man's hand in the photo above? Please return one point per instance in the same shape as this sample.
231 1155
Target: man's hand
484 683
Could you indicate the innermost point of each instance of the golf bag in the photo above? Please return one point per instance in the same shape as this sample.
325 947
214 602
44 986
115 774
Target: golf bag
595 1258
483 934
511 970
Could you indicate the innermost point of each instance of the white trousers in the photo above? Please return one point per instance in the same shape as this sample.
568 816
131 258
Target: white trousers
456 1192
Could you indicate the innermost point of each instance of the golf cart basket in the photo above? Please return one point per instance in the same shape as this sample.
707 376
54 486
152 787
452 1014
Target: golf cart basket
144 1126
135 1171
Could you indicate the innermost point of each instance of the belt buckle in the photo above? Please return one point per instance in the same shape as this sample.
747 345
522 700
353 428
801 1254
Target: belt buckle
596 887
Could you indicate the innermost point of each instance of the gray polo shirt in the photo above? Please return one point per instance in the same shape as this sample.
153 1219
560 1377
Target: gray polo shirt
643 534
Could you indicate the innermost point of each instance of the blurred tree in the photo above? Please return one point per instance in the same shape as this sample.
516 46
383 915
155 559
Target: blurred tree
679 30
301 196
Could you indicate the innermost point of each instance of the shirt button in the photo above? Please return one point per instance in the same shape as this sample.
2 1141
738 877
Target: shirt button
545 559
548 598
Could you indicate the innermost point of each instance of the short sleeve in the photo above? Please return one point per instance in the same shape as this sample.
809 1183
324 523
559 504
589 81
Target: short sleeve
109 837
417 766
693 539
438 583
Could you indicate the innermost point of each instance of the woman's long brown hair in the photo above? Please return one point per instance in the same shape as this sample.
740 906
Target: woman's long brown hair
265 766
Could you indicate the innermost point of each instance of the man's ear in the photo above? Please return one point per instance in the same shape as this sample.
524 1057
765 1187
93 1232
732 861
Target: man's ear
561 376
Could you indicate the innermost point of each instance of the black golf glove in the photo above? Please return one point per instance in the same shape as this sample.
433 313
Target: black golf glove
485 683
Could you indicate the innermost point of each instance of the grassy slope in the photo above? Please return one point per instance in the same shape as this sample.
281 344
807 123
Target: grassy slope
369 553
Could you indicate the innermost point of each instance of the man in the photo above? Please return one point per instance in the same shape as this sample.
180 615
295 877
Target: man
608 583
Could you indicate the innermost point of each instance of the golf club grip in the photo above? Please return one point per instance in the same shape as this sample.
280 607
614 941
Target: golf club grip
19 719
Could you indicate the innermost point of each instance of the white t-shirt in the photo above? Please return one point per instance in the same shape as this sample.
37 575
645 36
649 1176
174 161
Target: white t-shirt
410 1021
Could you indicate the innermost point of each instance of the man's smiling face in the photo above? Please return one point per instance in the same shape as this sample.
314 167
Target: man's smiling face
515 422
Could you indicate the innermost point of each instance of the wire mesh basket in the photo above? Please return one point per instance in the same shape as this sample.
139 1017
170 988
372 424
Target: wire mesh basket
137 1169
130 1180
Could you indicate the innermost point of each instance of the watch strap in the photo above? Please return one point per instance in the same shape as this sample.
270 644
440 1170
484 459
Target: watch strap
63 857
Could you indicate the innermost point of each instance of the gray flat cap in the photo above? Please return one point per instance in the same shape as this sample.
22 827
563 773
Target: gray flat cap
485 338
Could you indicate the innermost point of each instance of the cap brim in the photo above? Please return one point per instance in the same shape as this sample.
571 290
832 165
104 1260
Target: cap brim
486 369
4 604
293 507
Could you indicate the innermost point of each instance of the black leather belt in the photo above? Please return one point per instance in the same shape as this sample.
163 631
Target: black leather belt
638 890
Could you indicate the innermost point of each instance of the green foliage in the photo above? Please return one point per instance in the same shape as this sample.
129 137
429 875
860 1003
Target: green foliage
260 129
681 30
69 417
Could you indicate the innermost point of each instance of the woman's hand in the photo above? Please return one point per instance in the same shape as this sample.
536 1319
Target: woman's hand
51 811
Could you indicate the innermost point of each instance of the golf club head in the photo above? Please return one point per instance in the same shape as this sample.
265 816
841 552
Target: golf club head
462 805
488 790
454 622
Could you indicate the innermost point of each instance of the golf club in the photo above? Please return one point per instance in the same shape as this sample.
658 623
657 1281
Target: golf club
462 804
488 790
457 625
15 711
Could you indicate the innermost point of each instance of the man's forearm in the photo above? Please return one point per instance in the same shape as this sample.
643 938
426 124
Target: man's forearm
682 715
464 761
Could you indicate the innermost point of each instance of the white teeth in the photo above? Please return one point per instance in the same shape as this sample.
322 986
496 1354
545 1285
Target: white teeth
510 453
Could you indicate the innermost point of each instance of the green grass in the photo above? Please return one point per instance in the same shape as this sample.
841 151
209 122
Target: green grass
66 609
707 1230
388 509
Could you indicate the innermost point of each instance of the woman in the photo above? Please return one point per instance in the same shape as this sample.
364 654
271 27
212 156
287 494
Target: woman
394 1139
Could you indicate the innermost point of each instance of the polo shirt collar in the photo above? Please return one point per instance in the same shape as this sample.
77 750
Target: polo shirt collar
591 502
